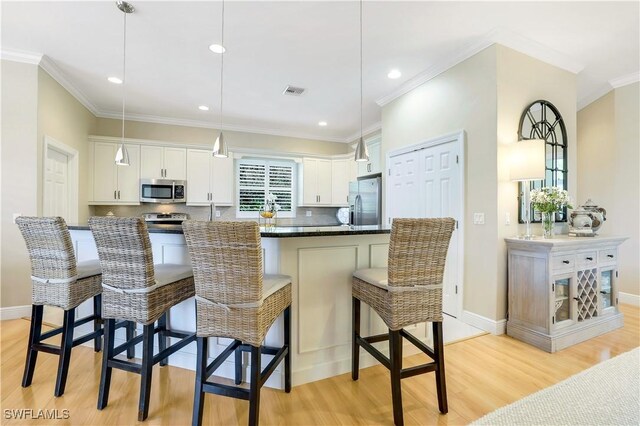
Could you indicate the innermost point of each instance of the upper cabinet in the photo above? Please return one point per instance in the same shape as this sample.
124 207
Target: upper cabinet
374 165
158 162
114 184
209 179
314 182
341 174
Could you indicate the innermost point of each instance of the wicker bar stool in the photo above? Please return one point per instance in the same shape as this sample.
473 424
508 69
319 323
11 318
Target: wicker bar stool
234 299
134 289
409 291
58 280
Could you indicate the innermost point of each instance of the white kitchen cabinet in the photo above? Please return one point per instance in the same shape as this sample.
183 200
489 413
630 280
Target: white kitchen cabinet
114 184
562 291
374 165
340 178
209 179
314 182
159 162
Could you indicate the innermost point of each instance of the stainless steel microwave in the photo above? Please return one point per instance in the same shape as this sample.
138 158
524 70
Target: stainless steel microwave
163 191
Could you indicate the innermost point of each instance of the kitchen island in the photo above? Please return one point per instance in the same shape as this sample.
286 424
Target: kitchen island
320 261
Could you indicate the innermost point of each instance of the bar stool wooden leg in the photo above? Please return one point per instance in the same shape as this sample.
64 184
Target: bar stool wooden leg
147 366
201 368
107 354
255 385
162 337
355 348
287 343
438 349
97 323
395 351
65 351
130 329
34 338
238 358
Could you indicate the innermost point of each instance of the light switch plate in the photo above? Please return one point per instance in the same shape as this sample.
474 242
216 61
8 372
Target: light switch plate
309 213
478 218
217 213
507 218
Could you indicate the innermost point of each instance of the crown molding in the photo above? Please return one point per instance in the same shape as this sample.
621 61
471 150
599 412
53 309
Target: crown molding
499 35
365 133
208 125
21 56
625 80
58 75
593 96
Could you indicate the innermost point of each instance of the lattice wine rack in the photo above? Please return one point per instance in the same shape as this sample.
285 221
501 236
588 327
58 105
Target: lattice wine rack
587 294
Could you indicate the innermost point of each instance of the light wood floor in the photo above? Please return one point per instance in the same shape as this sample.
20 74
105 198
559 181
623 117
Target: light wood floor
483 373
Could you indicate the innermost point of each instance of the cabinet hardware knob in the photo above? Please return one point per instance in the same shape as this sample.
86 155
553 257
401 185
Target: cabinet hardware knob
565 262
603 292
589 258
576 299
610 255
114 195
118 194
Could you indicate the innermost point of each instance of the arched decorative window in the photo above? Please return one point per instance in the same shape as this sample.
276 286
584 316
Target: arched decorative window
542 120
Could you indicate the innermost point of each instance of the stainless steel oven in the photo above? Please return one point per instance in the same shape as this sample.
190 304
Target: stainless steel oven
163 191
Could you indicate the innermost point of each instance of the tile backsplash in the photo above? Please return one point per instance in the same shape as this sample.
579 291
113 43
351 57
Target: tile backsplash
319 215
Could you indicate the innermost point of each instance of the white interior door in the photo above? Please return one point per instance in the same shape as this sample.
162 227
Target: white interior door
425 183
56 185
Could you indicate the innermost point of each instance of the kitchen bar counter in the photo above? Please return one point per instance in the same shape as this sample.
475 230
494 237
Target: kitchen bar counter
277 231
320 261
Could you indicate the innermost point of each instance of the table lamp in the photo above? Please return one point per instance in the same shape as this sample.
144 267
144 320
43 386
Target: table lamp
527 163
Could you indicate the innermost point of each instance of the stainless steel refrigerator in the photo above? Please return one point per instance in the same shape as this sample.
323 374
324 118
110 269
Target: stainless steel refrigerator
365 200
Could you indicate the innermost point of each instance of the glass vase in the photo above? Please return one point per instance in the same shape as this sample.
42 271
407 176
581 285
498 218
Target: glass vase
548 224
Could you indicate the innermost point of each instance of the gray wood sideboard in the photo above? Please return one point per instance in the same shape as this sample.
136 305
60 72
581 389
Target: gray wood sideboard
562 291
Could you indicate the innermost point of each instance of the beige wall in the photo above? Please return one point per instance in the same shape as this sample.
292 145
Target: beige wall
19 176
462 98
63 118
484 96
203 136
521 81
609 154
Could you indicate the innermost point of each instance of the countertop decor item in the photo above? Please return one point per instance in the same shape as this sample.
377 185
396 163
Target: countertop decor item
548 201
269 211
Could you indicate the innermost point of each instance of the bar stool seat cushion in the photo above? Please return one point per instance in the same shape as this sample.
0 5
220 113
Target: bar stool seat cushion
272 283
376 276
167 273
88 268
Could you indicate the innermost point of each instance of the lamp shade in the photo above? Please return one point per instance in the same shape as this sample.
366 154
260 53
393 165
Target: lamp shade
527 160
220 147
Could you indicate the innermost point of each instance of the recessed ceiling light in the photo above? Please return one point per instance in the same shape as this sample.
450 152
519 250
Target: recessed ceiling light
322 123
217 48
393 74
203 108
115 80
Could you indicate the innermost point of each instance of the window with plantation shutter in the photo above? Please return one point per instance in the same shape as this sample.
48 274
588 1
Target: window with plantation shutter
257 178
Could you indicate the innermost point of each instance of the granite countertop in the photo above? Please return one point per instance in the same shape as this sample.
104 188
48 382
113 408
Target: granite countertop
279 231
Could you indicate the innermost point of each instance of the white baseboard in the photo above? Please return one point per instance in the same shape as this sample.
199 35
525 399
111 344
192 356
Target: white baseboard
15 312
483 323
629 299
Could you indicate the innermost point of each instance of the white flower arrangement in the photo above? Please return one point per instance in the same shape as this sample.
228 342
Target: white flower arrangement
270 204
550 199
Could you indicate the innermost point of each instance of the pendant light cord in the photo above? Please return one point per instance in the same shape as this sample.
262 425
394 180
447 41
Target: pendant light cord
124 69
361 135
222 66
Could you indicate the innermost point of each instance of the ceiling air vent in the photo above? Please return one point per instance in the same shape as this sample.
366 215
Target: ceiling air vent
293 91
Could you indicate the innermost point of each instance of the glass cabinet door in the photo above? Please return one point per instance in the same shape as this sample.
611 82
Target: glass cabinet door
562 301
606 288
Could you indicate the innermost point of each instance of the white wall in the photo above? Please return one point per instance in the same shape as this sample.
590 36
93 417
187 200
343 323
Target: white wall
19 176
462 98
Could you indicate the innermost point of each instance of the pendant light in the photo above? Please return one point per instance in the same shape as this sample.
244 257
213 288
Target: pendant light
220 147
362 152
122 155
